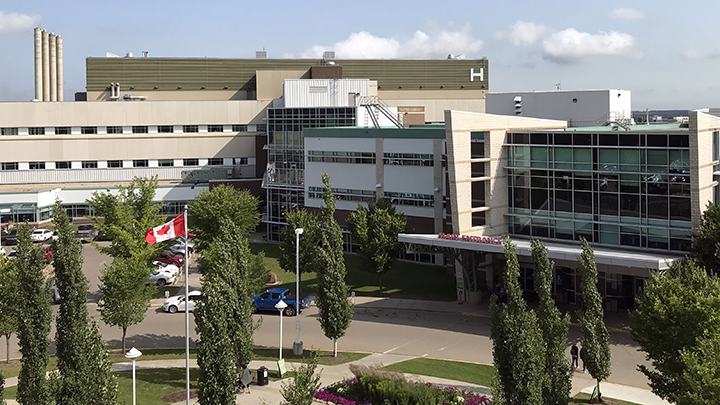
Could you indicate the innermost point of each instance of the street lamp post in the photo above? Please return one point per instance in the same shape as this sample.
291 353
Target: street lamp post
133 354
298 344
280 306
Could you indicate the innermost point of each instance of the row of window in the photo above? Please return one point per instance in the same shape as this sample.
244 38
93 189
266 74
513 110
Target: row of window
341 157
408 159
112 164
601 139
411 199
135 129
344 194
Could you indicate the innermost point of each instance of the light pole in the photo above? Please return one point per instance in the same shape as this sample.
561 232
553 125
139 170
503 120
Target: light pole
133 354
280 306
298 344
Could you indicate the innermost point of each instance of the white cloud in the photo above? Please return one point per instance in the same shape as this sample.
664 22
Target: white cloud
627 13
522 34
15 22
693 53
364 45
572 46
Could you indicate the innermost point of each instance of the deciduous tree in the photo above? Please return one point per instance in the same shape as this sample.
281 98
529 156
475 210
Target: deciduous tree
334 308
376 229
223 201
8 302
310 241
595 337
126 294
83 357
556 387
706 243
518 351
677 323
33 321
303 387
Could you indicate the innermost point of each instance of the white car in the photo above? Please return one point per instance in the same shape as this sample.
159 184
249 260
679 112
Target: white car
170 268
2 251
161 278
177 303
41 235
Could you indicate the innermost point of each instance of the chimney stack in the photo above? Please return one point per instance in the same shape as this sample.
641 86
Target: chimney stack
48 66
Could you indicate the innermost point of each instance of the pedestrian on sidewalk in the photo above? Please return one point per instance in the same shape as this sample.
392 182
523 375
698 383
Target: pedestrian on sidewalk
574 354
245 380
583 353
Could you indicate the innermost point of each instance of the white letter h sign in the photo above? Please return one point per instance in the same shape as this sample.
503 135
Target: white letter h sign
473 75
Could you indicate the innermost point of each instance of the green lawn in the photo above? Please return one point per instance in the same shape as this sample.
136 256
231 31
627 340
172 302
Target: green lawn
405 280
478 374
585 399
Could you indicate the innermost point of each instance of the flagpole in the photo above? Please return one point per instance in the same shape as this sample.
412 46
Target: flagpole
187 314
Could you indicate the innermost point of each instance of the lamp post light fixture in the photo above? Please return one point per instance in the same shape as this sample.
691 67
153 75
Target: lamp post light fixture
133 354
280 306
298 344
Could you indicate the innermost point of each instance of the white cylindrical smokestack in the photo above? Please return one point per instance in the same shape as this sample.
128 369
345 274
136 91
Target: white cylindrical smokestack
38 64
53 68
46 66
58 43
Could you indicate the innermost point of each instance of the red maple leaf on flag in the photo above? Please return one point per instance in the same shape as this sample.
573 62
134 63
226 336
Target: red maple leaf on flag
164 230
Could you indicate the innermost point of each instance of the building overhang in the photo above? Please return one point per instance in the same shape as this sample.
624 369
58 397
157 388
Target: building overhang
556 251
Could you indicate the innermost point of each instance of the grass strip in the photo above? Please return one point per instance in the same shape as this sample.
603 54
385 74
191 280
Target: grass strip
478 374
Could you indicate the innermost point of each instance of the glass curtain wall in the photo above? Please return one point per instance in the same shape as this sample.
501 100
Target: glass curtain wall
625 189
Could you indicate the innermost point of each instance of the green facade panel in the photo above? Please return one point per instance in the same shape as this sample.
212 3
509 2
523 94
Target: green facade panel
239 74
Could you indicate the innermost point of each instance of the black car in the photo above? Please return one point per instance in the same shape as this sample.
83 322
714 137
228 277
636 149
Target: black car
86 233
11 238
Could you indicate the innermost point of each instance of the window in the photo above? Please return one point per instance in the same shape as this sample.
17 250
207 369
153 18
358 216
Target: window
190 128
215 162
240 161
114 130
261 128
114 164
191 162
478 218
165 129
37 165
215 128
140 163
89 164
36 131
62 131
9 166
88 130
62 165
166 163
9 131
715 145
239 128
139 129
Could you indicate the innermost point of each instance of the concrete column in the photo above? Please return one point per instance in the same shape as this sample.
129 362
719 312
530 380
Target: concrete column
38 64
53 68
46 65
58 43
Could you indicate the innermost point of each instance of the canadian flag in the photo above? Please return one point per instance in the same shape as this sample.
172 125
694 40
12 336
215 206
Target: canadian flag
170 230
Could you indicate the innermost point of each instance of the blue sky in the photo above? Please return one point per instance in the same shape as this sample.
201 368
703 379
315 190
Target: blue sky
666 53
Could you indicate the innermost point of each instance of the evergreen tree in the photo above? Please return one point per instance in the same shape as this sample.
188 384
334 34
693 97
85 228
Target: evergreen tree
83 357
376 229
126 295
310 241
676 324
334 308
518 351
595 339
216 359
33 321
556 389
304 386
8 302
706 243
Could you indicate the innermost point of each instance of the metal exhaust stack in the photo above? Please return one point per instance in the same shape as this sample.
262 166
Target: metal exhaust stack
58 43
38 65
46 65
53 68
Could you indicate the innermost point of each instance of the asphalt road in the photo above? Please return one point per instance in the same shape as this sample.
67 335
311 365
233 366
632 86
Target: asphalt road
431 334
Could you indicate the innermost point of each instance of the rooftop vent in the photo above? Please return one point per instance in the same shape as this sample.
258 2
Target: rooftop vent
329 55
261 54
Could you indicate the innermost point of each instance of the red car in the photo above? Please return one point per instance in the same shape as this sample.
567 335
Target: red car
48 255
168 258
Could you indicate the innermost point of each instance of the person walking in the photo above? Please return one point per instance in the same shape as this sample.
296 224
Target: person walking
583 352
574 355
246 379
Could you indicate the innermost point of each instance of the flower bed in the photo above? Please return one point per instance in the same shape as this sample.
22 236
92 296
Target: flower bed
372 391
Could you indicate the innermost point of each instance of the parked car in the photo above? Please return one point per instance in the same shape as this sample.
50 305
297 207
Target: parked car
12 254
161 277
41 235
54 236
48 255
170 268
101 237
177 303
169 258
11 237
268 299
86 233
2 251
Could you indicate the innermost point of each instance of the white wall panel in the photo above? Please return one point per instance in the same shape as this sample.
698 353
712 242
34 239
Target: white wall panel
322 92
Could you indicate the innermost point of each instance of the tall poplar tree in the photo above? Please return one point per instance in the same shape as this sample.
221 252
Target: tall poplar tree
8 302
309 241
595 339
83 357
556 386
33 321
518 352
334 308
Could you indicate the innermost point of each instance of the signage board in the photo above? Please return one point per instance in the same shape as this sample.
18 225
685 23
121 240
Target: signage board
468 238
281 367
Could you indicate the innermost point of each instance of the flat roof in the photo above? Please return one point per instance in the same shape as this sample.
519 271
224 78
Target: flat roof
556 251
38 187
424 132
633 128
